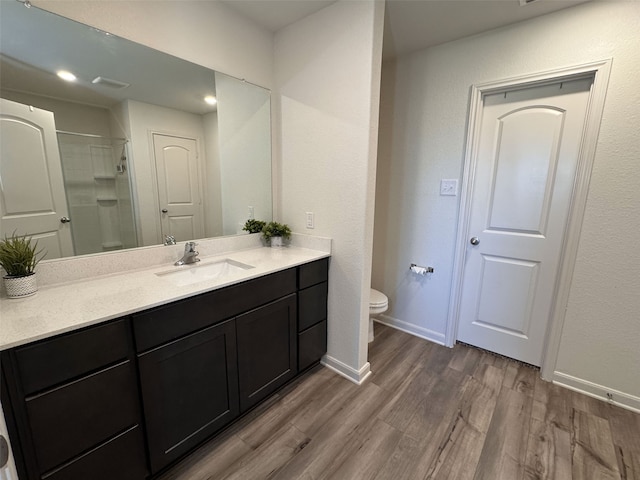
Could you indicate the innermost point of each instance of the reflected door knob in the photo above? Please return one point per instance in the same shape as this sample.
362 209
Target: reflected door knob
65 220
164 210
474 241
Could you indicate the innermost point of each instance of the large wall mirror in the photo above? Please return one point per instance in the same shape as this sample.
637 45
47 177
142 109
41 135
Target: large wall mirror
134 145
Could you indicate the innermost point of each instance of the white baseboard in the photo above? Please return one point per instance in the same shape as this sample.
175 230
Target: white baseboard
412 329
356 376
621 399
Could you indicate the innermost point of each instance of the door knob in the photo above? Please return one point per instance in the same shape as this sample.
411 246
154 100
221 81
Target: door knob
65 220
164 210
474 241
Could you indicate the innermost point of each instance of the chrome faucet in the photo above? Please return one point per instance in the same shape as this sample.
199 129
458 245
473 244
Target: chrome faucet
190 254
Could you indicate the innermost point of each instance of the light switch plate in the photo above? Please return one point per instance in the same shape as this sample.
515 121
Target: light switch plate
449 187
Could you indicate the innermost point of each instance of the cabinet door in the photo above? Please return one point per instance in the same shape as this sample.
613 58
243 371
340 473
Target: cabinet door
121 458
75 401
69 420
189 390
267 349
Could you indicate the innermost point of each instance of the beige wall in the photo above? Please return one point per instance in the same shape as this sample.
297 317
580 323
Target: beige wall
422 139
69 116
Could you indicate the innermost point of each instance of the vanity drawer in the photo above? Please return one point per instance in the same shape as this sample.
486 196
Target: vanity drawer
312 305
121 458
312 273
166 323
51 362
312 345
71 419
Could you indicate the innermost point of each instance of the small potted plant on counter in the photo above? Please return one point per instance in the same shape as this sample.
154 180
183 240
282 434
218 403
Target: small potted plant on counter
253 226
274 233
19 257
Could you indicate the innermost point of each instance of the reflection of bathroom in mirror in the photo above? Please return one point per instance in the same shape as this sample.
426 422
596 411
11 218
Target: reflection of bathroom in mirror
129 152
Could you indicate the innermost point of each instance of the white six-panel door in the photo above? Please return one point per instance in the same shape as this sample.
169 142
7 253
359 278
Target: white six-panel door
32 198
179 192
526 163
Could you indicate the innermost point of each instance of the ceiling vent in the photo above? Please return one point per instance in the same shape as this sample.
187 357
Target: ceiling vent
109 82
526 2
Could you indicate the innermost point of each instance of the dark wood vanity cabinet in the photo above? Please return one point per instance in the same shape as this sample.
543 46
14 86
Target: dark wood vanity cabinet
75 404
124 399
312 312
206 359
267 350
189 391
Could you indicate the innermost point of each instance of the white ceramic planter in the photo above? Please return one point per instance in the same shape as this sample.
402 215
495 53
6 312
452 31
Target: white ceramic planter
276 241
18 287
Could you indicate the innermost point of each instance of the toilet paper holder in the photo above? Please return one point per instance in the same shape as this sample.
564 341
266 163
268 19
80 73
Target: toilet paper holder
420 270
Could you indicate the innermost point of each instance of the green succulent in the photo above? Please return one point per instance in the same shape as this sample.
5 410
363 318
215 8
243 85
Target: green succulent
19 256
275 229
253 226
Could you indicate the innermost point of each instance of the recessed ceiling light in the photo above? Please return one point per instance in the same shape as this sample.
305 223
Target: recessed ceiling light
210 99
65 75
109 82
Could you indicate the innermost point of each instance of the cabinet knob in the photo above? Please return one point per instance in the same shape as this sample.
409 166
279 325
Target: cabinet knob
65 220
164 210
474 241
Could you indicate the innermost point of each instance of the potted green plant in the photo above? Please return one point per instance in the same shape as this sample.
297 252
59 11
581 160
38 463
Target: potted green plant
274 232
19 257
253 226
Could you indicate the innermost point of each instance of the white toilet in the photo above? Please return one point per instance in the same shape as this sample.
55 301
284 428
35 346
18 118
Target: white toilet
378 303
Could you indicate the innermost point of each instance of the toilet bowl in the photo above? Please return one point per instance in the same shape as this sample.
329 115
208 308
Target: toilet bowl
378 303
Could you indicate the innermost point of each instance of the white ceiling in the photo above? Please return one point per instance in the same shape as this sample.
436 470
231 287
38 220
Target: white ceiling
411 25
33 46
276 14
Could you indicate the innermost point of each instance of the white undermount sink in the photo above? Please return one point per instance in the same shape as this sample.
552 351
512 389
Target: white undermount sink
199 272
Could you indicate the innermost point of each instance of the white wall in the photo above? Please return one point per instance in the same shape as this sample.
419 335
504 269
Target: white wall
423 131
327 75
207 33
244 139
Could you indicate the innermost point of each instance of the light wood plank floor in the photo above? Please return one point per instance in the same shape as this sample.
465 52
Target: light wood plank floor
428 412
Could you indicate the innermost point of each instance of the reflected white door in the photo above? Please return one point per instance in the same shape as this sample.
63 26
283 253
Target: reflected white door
526 163
179 191
32 199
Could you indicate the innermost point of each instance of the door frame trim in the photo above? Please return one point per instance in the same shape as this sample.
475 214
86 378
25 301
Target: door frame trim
600 72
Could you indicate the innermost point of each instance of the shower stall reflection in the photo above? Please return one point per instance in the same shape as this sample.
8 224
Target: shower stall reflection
98 191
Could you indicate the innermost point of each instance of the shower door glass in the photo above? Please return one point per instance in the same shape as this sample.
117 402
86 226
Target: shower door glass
98 190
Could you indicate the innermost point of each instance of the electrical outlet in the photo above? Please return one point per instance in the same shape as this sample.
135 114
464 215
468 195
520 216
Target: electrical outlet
251 213
449 187
310 220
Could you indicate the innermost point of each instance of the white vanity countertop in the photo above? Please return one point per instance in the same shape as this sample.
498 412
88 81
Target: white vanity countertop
60 308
